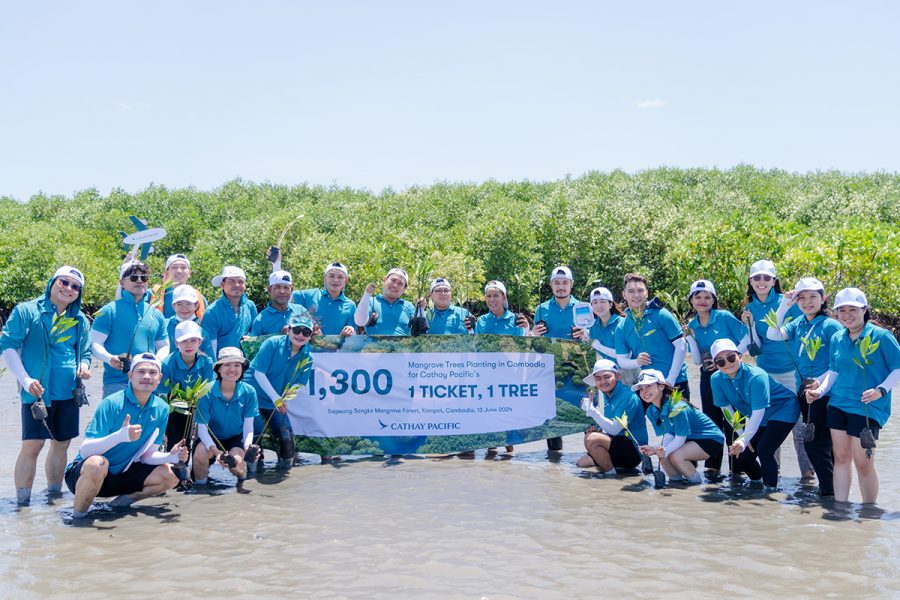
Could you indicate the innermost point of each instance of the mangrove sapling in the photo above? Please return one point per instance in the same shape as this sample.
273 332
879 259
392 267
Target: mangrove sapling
184 400
866 348
737 421
659 478
811 347
418 325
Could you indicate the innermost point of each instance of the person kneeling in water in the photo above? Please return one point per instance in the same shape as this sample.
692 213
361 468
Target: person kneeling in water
610 448
225 418
688 434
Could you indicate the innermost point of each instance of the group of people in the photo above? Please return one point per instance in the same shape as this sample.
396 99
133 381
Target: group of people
174 360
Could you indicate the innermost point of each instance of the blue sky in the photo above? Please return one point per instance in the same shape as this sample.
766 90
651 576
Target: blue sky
378 94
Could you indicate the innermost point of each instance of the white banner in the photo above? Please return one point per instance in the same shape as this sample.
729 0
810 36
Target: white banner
393 394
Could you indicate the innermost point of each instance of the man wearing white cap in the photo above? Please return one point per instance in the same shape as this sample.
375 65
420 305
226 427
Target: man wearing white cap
178 271
229 318
127 326
274 318
499 320
444 318
185 303
329 307
555 317
610 447
119 456
45 344
387 313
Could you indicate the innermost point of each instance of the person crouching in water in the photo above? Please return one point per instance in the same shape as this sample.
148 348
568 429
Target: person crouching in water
610 447
225 418
688 434
283 361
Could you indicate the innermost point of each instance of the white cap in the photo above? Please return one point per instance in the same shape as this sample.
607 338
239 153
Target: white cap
184 293
722 345
187 330
228 271
400 272
230 354
495 284
440 281
809 283
336 266
762 267
647 377
561 272
145 357
702 285
599 366
850 297
174 258
601 293
70 272
281 278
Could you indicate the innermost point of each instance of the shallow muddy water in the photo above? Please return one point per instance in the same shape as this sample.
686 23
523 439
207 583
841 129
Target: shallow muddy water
506 527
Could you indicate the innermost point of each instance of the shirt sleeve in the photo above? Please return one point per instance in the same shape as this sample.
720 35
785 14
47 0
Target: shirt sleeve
669 325
14 331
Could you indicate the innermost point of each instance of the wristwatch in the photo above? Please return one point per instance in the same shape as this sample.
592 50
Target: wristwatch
883 391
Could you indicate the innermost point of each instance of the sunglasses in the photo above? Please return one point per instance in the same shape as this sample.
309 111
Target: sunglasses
68 284
136 278
301 330
761 278
721 362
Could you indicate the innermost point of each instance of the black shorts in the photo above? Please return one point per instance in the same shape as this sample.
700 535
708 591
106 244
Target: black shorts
623 453
62 422
714 448
852 423
128 482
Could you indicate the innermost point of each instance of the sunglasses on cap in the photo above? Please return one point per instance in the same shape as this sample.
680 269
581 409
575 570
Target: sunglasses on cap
761 278
721 362
136 278
69 284
301 330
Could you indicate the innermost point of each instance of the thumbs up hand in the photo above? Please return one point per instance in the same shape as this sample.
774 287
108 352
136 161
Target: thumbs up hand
130 432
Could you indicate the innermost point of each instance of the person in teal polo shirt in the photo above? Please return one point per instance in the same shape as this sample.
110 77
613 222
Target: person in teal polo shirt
775 357
499 320
770 408
274 318
387 313
178 271
181 370
229 318
555 318
863 367
185 303
709 323
688 435
225 418
283 361
609 445
46 345
127 326
650 337
443 317
329 307
811 335
119 456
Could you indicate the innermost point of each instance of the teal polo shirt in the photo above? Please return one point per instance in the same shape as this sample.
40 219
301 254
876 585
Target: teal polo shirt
623 401
606 334
820 328
753 388
224 326
393 317
172 323
225 418
176 372
689 422
130 326
110 415
775 355
492 324
450 321
274 360
852 381
654 334
722 325
559 321
332 314
271 320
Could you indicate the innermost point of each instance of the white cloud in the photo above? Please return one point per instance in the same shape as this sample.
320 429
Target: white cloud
655 103
125 106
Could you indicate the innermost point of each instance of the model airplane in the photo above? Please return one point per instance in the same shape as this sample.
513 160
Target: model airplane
143 237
